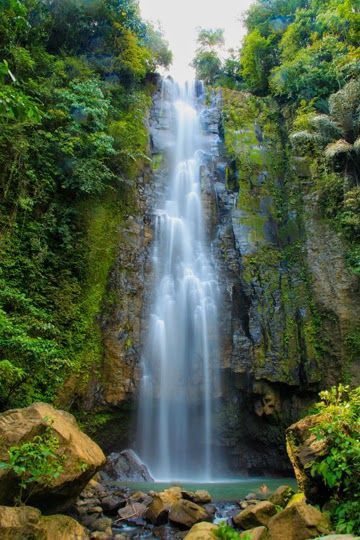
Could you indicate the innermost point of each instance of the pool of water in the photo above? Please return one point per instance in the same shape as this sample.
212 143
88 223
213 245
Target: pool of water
220 491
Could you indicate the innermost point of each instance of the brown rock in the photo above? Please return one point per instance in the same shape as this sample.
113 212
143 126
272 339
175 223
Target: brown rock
298 522
158 510
111 504
201 531
132 511
258 533
281 496
256 515
101 524
304 449
83 457
186 513
18 523
202 496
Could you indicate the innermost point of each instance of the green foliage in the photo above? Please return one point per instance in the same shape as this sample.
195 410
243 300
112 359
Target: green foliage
340 468
208 66
256 61
225 532
36 462
210 38
73 99
207 62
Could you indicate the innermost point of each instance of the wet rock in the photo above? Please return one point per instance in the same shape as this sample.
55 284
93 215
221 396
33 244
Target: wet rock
158 510
298 522
250 496
258 533
112 503
132 512
100 535
202 496
201 531
20 425
18 523
281 496
101 524
304 449
126 466
210 509
141 497
186 513
94 510
256 515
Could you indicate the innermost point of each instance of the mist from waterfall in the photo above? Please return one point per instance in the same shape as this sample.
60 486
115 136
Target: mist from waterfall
180 357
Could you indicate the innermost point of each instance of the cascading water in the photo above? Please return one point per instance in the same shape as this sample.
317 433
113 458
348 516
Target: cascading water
180 358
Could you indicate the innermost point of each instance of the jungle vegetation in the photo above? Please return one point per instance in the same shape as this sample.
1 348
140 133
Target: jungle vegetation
75 87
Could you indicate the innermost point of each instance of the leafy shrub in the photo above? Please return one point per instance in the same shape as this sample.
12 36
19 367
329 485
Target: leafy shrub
35 462
340 468
225 532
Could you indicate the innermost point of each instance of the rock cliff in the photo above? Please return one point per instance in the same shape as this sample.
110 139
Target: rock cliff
288 302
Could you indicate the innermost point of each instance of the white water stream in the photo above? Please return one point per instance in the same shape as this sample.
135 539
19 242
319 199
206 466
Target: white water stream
180 358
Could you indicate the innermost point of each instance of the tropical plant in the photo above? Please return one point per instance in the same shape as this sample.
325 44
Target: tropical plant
340 467
36 462
338 132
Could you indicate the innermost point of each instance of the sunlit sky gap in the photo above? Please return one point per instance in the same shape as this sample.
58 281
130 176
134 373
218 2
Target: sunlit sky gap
179 20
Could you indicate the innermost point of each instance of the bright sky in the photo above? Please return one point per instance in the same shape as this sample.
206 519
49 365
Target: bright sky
179 20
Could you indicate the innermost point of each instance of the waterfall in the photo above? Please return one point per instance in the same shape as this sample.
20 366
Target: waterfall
180 357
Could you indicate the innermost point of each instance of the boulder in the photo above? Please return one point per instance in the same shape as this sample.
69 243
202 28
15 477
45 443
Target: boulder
304 449
112 503
83 457
185 513
201 531
298 522
126 466
281 496
158 510
17 523
132 511
201 496
256 515
258 533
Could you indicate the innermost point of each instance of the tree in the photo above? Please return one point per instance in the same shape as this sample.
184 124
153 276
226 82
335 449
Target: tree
256 61
207 61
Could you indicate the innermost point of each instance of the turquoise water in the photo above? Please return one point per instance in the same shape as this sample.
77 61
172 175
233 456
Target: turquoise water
220 491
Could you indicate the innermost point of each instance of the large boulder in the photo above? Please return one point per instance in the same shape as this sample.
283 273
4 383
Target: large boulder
298 522
304 449
126 466
158 510
255 515
18 523
186 513
201 531
82 456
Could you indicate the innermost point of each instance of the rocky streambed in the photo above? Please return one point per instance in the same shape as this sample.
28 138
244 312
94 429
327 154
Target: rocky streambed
111 511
